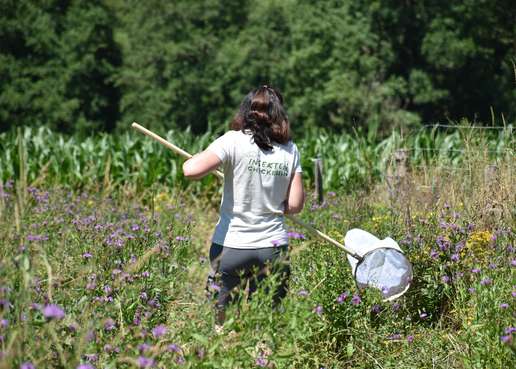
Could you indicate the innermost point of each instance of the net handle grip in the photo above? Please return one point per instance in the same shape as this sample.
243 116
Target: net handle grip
218 174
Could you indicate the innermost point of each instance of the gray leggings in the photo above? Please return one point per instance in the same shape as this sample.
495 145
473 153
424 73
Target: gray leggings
235 266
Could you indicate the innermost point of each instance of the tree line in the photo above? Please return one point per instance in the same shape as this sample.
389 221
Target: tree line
97 65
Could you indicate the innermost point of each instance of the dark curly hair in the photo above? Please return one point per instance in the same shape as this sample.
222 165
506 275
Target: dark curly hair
262 113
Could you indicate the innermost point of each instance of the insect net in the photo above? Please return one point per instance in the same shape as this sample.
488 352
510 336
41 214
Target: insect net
383 265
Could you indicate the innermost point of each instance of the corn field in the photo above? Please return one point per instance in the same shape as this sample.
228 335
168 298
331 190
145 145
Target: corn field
42 156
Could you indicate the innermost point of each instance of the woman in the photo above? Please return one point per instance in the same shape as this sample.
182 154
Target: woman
262 181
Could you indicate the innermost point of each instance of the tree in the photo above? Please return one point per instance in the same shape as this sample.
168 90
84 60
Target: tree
57 60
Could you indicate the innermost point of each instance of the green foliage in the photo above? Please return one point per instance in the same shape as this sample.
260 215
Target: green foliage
57 60
341 65
131 158
122 264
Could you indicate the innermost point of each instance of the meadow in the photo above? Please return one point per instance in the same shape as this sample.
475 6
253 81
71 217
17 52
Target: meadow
103 256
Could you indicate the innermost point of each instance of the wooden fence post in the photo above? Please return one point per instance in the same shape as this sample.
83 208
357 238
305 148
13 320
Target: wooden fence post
318 179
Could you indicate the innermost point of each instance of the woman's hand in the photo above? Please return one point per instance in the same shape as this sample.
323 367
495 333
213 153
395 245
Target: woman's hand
200 164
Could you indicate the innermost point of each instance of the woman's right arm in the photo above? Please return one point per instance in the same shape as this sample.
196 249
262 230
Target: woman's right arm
295 195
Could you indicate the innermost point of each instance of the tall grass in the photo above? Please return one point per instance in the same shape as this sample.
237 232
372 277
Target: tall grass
133 159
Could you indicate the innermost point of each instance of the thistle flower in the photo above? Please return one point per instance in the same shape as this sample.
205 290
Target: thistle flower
504 305
318 310
410 339
445 279
27 365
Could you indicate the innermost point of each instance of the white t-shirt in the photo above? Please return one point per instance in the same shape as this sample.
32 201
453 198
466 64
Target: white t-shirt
255 189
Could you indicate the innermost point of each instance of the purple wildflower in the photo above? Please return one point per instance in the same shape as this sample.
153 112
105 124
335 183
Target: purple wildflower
85 366
396 306
303 293
513 262
145 362
376 309
356 300
109 324
173 348
510 330
395 336
53 312
180 360
492 266
423 315
143 347
4 323
475 270
472 290
454 257
318 310
410 339
445 279
87 255
159 331
296 236
276 243
342 297
434 254
214 286
261 361
506 339
504 305
486 281
27 365
181 238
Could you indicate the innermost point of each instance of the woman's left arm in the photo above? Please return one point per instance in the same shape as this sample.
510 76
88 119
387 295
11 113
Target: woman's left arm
200 164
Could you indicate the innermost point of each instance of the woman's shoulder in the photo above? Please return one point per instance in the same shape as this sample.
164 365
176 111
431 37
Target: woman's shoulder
290 146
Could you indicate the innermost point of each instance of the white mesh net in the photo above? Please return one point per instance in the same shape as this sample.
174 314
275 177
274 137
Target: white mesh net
383 265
